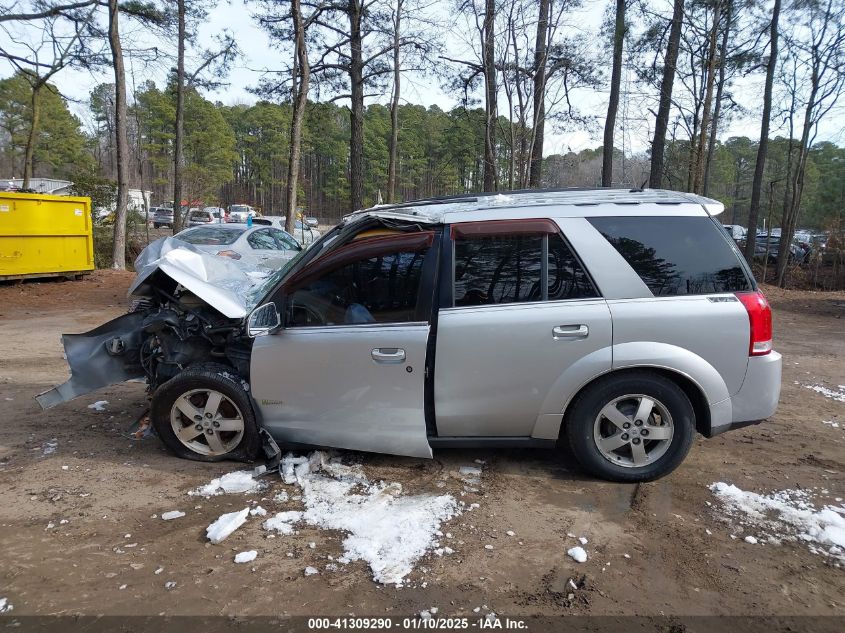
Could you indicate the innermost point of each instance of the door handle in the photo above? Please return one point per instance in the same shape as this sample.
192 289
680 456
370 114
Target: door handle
388 355
570 332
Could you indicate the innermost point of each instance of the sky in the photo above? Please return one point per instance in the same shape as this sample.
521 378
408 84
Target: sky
258 54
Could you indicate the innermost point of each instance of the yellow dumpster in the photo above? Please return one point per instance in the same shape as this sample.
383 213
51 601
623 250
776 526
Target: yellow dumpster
44 236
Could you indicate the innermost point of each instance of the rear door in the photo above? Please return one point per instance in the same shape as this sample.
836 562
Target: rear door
522 311
266 250
348 368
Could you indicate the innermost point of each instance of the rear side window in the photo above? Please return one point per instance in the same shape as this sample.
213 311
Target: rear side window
676 255
210 235
498 269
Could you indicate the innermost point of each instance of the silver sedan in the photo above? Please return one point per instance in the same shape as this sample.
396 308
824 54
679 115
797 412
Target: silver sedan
262 246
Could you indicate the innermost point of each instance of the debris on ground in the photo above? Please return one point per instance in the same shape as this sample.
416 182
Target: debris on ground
787 515
578 554
100 405
225 525
240 481
5 605
834 394
172 514
246 557
258 511
310 571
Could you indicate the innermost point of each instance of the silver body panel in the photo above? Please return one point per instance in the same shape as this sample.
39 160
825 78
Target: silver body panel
329 386
758 397
497 366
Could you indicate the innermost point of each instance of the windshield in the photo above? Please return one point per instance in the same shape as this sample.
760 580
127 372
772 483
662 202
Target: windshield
262 288
210 235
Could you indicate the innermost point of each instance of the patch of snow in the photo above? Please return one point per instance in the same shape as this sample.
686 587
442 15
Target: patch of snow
831 423
240 481
577 554
170 584
385 528
172 514
100 405
488 547
471 471
787 515
282 497
310 571
750 539
582 540
839 395
246 557
5 605
225 525
283 522
510 533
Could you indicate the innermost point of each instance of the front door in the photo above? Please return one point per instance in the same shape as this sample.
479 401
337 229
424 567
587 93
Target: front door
348 368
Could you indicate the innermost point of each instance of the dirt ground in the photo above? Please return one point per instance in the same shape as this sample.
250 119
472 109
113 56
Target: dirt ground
99 489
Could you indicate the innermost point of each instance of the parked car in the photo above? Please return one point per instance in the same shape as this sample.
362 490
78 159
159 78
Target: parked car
256 246
770 242
162 216
208 215
303 233
619 322
312 222
238 213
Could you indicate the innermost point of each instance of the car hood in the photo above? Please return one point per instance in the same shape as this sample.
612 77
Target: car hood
224 284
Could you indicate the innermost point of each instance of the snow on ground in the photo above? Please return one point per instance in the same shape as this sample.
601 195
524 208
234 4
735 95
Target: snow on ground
225 525
5 606
100 405
577 554
786 515
831 423
238 481
838 395
172 514
246 557
387 529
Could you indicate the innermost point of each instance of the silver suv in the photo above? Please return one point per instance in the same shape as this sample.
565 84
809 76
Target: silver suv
621 322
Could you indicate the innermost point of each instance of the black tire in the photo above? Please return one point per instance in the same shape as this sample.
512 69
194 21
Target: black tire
583 423
200 380
155 226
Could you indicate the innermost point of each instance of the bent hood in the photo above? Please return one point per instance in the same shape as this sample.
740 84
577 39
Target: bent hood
223 283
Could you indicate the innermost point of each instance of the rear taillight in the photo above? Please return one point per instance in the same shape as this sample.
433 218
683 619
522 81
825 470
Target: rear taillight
760 319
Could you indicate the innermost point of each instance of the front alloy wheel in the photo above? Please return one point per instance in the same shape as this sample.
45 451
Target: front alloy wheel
207 422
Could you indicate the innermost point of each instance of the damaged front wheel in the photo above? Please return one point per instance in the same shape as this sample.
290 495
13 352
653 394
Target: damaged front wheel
204 414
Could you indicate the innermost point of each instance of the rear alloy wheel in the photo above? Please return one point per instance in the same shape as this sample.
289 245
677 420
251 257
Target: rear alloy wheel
204 413
634 426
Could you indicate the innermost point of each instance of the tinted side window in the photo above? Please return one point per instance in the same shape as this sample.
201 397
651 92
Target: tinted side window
498 269
285 241
567 278
262 240
676 255
373 290
509 269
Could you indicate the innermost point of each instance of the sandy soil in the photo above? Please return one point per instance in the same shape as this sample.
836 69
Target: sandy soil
107 487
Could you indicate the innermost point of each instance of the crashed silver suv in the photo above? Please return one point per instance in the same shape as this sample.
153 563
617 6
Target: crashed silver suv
621 322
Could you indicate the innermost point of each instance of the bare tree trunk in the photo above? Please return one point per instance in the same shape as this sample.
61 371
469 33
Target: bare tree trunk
536 172
178 141
299 103
720 88
712 48
491 181
394 107
763 147
121 142
356 78
661 124
613 106
32 138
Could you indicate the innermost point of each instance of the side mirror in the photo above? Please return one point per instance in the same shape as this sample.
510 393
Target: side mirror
263 320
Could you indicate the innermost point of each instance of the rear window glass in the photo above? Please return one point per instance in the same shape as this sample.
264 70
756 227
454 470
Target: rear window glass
210 235
676 255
